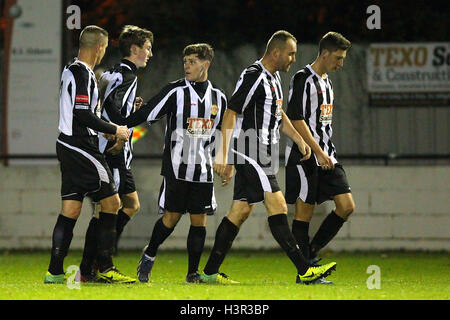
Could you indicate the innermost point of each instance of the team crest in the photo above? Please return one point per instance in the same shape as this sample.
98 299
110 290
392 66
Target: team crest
214 109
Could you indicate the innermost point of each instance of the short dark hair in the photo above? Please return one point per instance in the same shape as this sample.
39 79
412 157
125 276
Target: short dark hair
278 40
204 51
333 41
92 35
133 35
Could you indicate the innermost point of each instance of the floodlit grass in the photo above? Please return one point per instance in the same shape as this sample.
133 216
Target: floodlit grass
264 275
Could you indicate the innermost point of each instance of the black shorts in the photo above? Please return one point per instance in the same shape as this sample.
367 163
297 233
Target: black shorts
251 182
186 197
313 185
84 173
124 180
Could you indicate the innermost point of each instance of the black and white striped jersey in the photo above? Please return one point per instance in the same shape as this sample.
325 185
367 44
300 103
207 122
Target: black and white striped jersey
117 94
193 121
78 92
311 98
258 101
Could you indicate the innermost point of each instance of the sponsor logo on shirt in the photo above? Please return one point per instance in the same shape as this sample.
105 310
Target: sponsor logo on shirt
279 111
326 113
199 127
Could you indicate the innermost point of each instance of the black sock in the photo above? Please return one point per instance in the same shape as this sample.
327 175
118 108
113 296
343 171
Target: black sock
225 235
300 231
159 235
106 240
61 239
122 220
280 230
195 244
90 247
327 230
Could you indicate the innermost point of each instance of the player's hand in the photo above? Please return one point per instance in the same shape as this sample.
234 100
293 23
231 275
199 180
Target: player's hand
110 137
138 103
325 162
116 148
227 174
223 170
122 133
305 150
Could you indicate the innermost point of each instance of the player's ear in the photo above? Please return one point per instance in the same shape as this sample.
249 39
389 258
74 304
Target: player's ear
325 53
134 50
276 52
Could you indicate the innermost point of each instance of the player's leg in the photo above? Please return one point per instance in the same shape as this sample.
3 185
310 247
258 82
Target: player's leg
300 225
107 230
161 231
172 204
61 239
225 235
88 268
195 244
333 222
345 205
333 185
277 212
130 201
130 206
300 230
107 237
78 175
301 186
277 218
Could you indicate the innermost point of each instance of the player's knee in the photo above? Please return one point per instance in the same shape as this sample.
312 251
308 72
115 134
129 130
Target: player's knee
72 213
283 208
244 213
347 210
238 217
111 204
170 220
134 208
350 209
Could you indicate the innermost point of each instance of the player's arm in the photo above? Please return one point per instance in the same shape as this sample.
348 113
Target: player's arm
155 109
220 165
323 159
288 129
113 100
242 95
82 111
298 89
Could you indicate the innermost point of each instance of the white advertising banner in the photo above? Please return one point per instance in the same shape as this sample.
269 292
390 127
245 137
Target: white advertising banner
409 73
33 57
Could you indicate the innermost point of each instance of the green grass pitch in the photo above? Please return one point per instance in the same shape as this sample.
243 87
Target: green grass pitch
264 275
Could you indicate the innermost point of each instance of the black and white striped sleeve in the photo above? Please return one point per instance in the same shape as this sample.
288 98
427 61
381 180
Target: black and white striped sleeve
245 89
81 79
116 98
82 110
223 99
155 109
297 90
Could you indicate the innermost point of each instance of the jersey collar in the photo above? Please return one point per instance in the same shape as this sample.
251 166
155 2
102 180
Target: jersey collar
129 64
272 76
318 75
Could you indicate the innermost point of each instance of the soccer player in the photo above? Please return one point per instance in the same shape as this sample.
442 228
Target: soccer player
321 177
83 167
256 104
118 92
194 108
